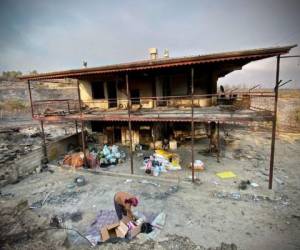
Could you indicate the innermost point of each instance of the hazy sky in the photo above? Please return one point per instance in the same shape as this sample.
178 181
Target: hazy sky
60 34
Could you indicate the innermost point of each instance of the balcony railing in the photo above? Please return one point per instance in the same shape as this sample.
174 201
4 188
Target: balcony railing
239 100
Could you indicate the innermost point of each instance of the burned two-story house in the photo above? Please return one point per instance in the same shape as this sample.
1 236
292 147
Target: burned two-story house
155 100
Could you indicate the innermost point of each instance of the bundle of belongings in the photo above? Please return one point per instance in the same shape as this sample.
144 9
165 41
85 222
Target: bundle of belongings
74 160
109 155
198 165
161 161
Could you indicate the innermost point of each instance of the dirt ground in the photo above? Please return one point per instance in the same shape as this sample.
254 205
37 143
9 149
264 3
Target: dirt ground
209 212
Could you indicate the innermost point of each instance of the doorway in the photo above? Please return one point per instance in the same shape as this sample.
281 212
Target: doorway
112 94
166 91
135 95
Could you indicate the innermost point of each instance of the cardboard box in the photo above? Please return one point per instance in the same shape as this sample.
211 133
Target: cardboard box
122 230
135 231
114 230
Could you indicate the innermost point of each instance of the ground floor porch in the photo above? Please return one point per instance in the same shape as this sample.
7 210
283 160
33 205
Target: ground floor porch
215 209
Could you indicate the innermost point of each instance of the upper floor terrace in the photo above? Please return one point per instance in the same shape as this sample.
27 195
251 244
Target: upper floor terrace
167 89
233 107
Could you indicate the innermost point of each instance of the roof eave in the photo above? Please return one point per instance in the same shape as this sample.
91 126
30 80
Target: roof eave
173 62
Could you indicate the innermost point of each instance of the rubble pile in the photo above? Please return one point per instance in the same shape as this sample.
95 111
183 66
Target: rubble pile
170 242
13 145
21 228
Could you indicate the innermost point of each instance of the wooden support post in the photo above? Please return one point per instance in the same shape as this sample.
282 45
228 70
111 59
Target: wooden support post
76 127
68 107
30 97
77 134
82 127
210 137
154 135
79 97
192 123
129 123
218 152
44 140
274 125
83 144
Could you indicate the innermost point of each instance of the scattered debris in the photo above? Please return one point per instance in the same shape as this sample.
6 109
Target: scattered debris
128 181
75 216
296 216
21 228
244 184
280 182
226 175
80 181
71 197
253 184
149 182
47 196
198 165
56 221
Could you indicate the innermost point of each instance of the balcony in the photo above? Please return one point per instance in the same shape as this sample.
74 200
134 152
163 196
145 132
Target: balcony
237 107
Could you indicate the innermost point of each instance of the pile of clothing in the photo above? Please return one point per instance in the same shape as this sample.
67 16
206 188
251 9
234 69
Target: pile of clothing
161 161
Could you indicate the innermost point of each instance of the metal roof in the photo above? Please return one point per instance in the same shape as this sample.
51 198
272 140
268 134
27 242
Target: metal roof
248 55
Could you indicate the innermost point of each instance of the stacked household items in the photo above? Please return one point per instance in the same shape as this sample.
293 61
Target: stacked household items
161 161
198 165
110 155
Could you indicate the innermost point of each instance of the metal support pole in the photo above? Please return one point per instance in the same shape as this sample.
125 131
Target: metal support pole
274 125
30 97
218 152
129 123
192 123
44 140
